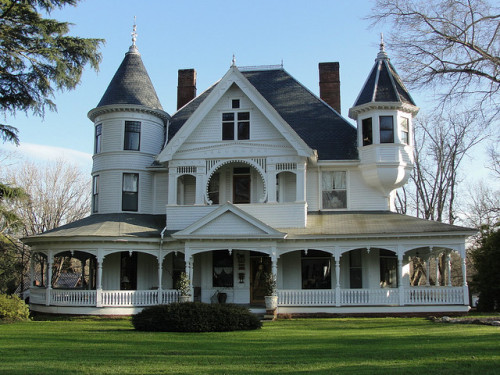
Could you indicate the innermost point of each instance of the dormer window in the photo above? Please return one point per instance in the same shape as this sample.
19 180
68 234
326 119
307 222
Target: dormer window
235 126
367 131
404 128
132 139
386 129
98 134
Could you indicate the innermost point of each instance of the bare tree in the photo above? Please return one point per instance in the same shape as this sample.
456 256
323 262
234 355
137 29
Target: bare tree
452 45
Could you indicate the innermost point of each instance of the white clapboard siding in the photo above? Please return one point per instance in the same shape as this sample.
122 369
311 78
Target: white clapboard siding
160 192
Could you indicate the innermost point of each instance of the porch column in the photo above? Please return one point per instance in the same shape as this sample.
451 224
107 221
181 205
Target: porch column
188 259
301 183
32 270
160 275
200 193
448 268
401 290
337 279
274 266
464 282
172 186
99 260
437 271
50 263
428 271
271 183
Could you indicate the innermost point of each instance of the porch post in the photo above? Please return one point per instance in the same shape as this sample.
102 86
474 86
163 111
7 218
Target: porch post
400 278
448 267
301 183
337 278
32 270
428 271
271 183
188 259
160 275
464 276
99 259
437 271
50 263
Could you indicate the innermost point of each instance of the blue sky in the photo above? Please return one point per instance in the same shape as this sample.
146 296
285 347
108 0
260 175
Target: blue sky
204 35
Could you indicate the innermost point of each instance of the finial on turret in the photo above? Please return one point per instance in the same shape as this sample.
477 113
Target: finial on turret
382 55
233 62
133 47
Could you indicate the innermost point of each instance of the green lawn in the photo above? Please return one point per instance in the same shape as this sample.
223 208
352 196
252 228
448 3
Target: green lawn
319 346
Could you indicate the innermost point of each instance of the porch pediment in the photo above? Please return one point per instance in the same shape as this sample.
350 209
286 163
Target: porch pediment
228 221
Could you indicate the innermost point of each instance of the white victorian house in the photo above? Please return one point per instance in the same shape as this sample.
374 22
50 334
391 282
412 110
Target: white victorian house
255 175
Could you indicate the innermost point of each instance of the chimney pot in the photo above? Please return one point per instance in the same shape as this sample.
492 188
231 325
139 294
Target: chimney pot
186 86
329 84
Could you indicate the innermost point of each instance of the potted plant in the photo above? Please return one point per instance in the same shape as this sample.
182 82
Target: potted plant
271 297
183 285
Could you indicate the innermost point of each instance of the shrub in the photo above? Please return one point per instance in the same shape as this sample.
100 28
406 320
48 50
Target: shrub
195 317
13 308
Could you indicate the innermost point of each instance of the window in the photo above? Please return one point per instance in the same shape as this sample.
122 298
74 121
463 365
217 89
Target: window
95 194
404 125
130 192
132 135
367 131
388 269
241 185
316 270
334 190
98 134
355 270
235 130
235 103
386 129
222 269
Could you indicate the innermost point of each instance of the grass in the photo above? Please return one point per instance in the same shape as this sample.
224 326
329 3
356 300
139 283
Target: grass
308 346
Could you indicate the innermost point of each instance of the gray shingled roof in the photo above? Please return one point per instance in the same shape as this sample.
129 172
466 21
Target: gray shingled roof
383 84
108 225
315 122
362 223
131 84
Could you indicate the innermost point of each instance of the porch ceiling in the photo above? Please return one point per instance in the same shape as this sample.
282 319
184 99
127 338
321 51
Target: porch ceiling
359 223
108 225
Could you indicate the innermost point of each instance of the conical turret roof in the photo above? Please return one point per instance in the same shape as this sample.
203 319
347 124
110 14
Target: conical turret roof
131 84
383 83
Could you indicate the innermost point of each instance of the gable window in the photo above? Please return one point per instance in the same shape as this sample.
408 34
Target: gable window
388 269
386 129
404 125
235 103
95 193
316 270
98 134
235 126
367 131
132 138
222 262
334 189
130 192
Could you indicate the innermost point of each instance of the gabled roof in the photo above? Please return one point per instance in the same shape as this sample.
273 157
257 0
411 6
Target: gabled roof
383 84
316 123
131 84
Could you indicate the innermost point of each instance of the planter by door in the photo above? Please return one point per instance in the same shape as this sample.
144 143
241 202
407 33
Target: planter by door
222 297
271 302
183 299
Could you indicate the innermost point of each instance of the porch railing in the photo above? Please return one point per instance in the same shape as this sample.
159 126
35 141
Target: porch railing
73 297
434 296
298 297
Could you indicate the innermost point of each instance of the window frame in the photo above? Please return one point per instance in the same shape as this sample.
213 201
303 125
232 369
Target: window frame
128 141
334 191
388 136
130 196
95 194
404 134
98 139
235 126
367 135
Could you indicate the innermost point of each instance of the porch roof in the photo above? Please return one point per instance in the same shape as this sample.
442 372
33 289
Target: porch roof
108 225
362 223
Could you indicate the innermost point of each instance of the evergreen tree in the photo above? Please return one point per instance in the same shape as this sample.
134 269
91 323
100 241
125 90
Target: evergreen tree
37 57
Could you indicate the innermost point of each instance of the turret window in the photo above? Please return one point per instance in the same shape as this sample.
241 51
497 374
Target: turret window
334 190
404 125
386 129
132 138
367 131
98 134
130 192
95 193
235 126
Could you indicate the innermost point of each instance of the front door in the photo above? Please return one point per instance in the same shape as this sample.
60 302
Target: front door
260 266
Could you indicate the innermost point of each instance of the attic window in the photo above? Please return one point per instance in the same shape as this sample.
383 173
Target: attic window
235 103
235 126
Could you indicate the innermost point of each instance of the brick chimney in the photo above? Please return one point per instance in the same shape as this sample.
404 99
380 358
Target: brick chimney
329 84
186 86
